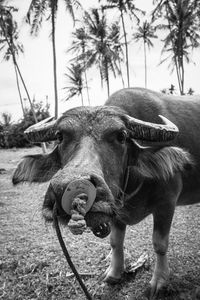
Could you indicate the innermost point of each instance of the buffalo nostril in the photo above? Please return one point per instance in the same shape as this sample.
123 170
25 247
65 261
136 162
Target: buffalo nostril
83 197
93 181
102 230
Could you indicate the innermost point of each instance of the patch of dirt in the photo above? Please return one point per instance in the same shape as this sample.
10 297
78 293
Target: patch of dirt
32 265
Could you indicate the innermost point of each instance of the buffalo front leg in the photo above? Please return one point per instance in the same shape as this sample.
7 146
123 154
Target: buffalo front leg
116 268
162 217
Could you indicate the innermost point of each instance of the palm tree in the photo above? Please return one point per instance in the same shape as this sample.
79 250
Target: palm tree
183 24
145 32
75 78
79 45
37 11
12 47
103 45
6 119
124 7
169 91
190 91
172 89
7 52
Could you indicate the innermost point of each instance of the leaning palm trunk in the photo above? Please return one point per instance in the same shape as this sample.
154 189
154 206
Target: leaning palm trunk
81 98
126 48
18 72
121 74
182 76
145 65
108 86
26 90
180 64
17 67
107 79
54 60
29 99
175 57
30 102
86 82
85 74
178 73
19 91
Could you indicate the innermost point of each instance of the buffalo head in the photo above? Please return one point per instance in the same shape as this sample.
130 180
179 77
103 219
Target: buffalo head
95 147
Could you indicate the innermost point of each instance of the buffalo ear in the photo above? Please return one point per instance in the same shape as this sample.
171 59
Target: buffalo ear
37 168
159 162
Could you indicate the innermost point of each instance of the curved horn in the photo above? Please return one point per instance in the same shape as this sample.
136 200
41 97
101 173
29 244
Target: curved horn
152 132
43 131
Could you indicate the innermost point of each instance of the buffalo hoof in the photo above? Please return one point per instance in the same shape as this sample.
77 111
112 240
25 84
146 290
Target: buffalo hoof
112 276
155 288
112 280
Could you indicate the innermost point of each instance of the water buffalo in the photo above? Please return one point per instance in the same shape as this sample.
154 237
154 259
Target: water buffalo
126 161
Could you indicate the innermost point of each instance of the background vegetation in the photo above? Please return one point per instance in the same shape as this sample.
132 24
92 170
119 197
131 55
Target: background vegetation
12 133
98 42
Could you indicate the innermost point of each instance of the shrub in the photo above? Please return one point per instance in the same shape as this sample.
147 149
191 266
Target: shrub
12 134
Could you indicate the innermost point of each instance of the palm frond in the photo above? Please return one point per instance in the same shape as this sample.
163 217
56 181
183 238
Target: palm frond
145 33
71 5
74 76
9 34
36 13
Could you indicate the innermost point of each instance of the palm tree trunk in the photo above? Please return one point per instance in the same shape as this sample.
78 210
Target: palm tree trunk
180 53
120 67
54 59
27 93
17 67
176 63
19 91
25 88
182 76
126 48
21 77
81 98
101 75
108 86
145 65
107 80
85 73
178 73
177 66
86 81
44 149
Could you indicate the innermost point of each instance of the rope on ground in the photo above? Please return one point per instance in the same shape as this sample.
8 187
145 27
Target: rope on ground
66 254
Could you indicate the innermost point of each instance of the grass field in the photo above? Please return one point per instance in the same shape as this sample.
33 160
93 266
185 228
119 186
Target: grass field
32 265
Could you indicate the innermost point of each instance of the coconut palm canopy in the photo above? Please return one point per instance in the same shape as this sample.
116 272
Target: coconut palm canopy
98 35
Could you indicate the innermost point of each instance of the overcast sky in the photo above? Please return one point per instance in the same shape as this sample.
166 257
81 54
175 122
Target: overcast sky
36 66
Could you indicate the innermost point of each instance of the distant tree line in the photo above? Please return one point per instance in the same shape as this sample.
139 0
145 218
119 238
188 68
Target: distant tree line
104 44
12 133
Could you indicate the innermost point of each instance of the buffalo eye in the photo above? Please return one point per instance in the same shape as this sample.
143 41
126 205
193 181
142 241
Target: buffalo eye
59 136
122 136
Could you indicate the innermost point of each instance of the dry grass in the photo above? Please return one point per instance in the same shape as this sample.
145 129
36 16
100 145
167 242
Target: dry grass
32 265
